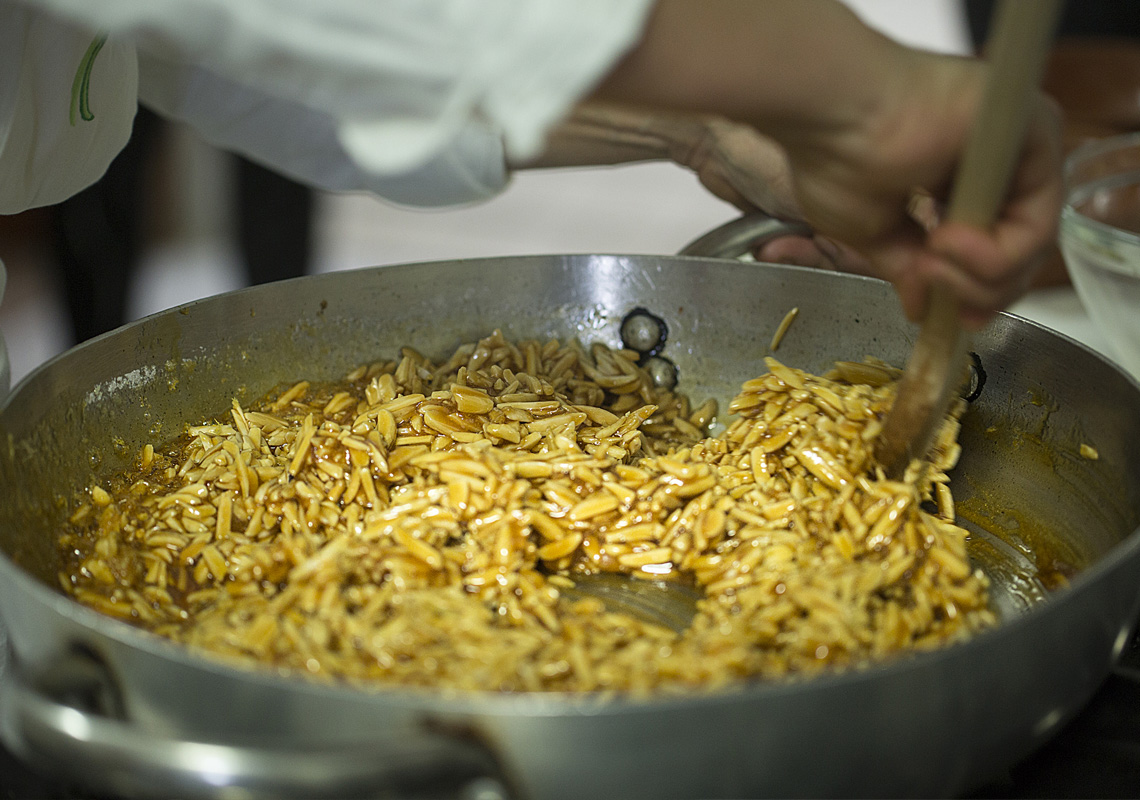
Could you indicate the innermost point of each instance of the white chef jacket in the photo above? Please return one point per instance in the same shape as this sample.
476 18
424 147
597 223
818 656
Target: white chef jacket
350 93
415 100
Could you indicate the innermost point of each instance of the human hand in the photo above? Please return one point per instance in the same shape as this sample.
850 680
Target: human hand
866 123
860 188
743 167
740 166
733 161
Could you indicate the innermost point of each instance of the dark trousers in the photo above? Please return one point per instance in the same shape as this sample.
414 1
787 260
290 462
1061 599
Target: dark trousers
98 237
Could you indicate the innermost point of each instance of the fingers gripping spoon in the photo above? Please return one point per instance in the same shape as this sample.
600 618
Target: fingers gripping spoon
1022 33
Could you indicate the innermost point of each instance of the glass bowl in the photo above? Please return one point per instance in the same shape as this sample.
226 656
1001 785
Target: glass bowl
1100 239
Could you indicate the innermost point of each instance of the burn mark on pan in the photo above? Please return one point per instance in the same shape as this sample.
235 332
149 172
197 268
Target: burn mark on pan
977 378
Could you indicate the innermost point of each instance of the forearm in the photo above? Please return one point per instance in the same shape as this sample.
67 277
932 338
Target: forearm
751 65
741 59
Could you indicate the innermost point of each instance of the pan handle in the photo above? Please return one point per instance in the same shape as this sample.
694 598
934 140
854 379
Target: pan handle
739 237
106 754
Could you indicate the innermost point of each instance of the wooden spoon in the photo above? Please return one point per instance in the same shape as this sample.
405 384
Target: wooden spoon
1022 34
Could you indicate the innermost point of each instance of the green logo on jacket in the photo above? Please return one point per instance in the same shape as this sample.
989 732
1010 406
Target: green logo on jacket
80 87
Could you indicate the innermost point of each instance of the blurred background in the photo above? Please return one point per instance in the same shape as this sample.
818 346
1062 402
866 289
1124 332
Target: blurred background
180 220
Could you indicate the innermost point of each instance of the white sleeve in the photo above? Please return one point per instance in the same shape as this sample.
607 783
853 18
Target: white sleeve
401 80
67 104
305 144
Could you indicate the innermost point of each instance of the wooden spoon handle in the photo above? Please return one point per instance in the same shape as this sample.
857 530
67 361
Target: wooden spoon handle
1022 34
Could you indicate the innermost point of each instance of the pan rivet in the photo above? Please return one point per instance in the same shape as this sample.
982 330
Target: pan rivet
662 372
644 332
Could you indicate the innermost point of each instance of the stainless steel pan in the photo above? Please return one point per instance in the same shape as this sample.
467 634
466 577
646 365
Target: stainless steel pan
137 715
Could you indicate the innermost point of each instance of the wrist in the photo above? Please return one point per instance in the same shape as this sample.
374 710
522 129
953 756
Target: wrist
601 133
